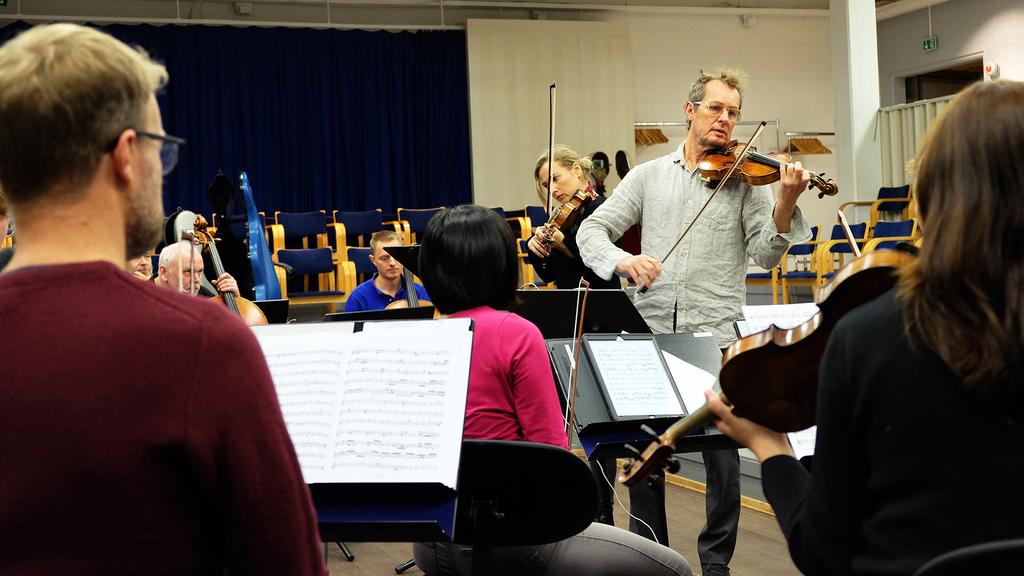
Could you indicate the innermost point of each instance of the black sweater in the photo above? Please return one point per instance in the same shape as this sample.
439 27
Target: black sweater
564 270
907 465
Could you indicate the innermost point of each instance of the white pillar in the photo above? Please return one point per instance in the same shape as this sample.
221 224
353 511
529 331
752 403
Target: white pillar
855 75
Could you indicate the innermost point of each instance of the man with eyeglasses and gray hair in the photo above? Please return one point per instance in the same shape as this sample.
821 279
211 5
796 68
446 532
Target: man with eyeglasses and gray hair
701 285
173 473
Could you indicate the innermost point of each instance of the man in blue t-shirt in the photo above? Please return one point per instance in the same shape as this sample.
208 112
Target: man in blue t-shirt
388 284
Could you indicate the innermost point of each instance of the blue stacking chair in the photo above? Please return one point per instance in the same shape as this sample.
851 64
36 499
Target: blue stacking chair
315 277
414 221
357 227
803 270
888 234
892 202
832 253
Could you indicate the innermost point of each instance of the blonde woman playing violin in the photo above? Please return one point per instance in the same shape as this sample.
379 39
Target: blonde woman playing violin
553 251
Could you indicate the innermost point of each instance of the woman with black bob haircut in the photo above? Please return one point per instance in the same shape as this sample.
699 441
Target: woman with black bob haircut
468 266
468 256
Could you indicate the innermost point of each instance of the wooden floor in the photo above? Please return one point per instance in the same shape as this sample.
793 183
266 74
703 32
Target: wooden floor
760 549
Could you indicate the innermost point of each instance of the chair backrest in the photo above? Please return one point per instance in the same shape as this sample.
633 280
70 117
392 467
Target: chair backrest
360 223
417 218
500 212
305 262
361 258
537 215
999 558
858 231
804 249
524 494
893 192
302 224
891 229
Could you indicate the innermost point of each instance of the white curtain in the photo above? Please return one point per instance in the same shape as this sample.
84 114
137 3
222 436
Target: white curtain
903 130
511 65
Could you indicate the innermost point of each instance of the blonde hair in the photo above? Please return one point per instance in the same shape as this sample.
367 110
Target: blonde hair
566 157
732 77
384 236
66 94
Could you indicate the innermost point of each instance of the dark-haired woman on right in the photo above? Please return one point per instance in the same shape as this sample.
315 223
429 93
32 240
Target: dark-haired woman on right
921 392
469 265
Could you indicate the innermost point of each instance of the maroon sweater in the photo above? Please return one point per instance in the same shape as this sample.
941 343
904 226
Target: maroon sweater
140 433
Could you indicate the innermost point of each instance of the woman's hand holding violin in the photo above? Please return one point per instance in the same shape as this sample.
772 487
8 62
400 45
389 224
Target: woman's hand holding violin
763 442
539 243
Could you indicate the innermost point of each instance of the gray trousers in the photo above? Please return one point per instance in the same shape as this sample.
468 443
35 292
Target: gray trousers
717 540
599 550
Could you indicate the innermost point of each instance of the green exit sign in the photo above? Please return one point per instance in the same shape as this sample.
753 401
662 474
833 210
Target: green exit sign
930 43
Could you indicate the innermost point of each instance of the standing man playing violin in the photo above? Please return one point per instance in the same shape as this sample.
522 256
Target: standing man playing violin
701 286
172 473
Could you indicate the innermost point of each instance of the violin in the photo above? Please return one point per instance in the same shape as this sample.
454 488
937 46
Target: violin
755 169
771 377
244 309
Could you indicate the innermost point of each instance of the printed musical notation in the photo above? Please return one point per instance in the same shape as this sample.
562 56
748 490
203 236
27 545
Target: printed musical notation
372 407
634 377
784 316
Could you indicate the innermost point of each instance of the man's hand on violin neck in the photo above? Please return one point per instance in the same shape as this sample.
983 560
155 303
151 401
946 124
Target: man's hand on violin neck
793 180
642 270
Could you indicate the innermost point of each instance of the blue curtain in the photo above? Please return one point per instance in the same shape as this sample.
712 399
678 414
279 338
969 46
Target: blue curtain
320 119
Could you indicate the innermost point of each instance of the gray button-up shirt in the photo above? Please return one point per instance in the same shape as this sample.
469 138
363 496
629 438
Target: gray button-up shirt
702 286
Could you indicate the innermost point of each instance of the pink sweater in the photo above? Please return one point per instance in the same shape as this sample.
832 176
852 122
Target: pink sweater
512 394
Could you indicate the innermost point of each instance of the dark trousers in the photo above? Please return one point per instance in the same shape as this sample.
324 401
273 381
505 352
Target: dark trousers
717 540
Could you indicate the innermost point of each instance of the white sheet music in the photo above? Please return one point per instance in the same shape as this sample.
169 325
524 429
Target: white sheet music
782 315
372 407
803 441
690 380
635 377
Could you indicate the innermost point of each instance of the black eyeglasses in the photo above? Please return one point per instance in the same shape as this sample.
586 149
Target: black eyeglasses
168 148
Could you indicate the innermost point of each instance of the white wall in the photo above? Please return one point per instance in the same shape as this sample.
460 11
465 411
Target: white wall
993 29
787 58
511 65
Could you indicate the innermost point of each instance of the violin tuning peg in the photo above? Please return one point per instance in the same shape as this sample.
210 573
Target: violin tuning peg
632 450
649 431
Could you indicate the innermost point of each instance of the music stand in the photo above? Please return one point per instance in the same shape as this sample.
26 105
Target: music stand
553 311
600 435
418 313
408 256
276 311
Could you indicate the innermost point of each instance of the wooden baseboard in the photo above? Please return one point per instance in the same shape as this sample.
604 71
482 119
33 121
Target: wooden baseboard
683 482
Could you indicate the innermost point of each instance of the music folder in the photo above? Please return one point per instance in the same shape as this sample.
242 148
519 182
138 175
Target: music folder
375 411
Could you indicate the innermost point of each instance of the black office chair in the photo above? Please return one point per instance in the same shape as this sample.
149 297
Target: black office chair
509 492
998 558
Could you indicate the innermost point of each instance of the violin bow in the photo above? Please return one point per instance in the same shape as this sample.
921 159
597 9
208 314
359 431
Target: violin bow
849 234
581 311
551 141
739 160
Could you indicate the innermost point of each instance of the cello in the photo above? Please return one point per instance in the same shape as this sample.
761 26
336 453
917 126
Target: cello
245 309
